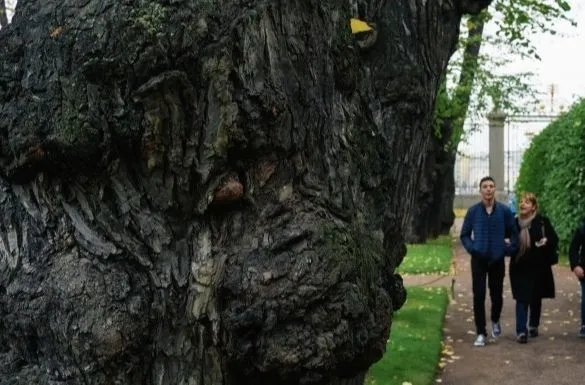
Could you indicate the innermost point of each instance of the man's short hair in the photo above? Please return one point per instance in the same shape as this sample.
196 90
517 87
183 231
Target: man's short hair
485 179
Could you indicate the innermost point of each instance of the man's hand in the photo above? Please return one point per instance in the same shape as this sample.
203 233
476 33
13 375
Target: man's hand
507 241
578 270
542 242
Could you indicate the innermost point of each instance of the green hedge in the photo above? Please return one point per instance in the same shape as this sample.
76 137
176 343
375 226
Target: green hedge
553 168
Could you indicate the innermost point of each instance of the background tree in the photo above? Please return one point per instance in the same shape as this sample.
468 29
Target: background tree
3 14
473 84
210 192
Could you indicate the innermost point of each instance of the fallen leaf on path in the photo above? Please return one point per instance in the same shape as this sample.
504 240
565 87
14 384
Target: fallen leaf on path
447 351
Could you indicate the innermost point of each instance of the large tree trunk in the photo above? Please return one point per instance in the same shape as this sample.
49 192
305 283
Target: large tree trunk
209 192
432 215
448 195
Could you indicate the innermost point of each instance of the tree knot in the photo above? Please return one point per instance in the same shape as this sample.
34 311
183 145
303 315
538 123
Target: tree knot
230 190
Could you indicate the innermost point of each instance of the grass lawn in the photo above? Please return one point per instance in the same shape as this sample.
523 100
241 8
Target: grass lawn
435 256
414 348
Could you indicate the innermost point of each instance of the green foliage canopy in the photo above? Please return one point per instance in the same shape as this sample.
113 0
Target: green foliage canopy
475 81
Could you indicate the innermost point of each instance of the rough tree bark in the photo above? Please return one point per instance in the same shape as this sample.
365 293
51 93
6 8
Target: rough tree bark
209 192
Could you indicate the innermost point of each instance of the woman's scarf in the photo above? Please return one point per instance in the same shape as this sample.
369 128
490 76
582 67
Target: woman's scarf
524 236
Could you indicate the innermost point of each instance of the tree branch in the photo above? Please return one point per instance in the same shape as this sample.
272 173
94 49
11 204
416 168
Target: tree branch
464 88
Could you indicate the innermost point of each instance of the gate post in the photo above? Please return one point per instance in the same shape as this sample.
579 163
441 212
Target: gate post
496 119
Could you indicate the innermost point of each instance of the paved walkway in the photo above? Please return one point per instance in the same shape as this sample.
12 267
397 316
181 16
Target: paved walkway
556 357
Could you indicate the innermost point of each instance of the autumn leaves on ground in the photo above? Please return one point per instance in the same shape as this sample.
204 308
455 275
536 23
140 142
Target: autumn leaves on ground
426 347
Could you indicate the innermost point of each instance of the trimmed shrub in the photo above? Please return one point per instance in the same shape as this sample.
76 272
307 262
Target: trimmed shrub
553 168
532 170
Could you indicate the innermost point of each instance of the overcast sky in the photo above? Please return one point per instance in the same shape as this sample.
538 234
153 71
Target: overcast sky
10 4
562 58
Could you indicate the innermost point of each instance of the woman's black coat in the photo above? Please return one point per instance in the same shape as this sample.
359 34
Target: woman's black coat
531 274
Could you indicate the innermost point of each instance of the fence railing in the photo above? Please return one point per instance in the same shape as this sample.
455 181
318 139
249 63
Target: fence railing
473 160
469 169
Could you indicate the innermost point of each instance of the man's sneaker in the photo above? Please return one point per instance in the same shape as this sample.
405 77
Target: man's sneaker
522 339
582 331
479 340
496 329
533 332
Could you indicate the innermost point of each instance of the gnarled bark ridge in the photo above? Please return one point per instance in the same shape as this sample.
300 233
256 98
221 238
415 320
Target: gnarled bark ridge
209 192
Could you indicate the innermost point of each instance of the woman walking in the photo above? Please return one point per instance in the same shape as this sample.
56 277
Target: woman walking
531 274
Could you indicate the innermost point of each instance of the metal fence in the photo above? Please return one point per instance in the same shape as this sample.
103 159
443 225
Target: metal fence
472 161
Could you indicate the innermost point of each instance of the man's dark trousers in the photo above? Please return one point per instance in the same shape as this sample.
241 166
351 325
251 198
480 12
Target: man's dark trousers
483 269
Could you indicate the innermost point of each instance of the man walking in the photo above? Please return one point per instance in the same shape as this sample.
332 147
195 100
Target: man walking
489 233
